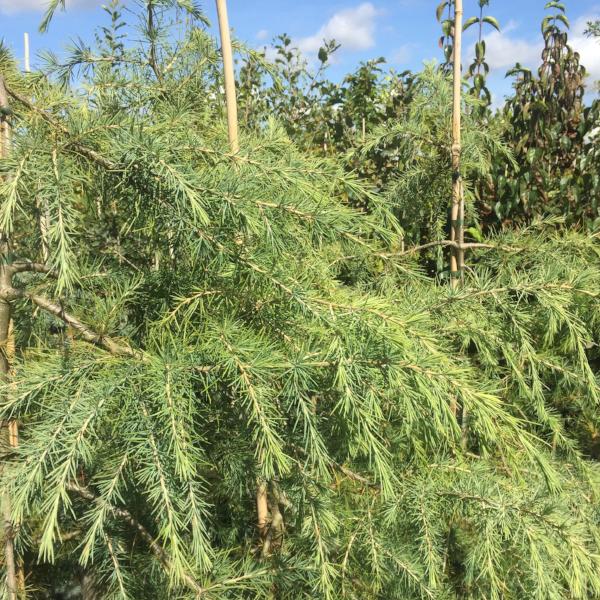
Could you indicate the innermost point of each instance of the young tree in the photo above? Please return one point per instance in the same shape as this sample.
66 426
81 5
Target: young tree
547 124
209 319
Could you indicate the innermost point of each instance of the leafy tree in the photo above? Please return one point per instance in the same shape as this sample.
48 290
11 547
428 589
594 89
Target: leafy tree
547 124
324 117
479 69
593 28
422 143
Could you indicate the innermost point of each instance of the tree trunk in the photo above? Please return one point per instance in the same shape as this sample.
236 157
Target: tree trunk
5 315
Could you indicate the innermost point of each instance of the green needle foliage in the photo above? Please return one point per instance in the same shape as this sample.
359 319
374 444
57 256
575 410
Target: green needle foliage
421 138
209 325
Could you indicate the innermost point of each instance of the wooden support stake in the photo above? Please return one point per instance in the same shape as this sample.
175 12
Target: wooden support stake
26 52
42 208
230 99
457 212
262 502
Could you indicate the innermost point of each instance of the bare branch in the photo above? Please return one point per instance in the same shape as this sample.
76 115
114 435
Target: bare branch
22 266
443 243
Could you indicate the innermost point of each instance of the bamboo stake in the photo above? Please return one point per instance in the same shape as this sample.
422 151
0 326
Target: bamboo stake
26 49
262 509
230 99
262 502
5 337
457 213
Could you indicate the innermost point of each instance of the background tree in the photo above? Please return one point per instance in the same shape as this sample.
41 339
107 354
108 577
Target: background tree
547 123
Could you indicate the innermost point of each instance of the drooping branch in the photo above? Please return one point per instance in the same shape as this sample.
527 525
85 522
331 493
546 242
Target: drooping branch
436 244
78 146
127 517
83 331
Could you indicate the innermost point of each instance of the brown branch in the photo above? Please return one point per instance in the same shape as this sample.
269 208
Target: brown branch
450 243
84 332
123 514
443 243
22 266
355 476
152 33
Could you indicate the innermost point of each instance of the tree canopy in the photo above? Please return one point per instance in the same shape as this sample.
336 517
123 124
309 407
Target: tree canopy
244 374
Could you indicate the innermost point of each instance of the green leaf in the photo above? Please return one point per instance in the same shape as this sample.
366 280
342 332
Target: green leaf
475 233
546 23
480 50
52 7
447 26
492 21
564 20
439 11
470 22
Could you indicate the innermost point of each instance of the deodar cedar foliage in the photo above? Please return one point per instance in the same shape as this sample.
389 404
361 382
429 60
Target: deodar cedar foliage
191 326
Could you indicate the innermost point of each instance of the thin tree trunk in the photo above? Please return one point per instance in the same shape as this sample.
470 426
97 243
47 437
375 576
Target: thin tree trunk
5 315
12 438
262 509
457 211
229 76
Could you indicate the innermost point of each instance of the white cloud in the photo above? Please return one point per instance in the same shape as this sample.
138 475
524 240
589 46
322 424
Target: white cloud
403 54
9 7
263 34
353 28
588 48
504 50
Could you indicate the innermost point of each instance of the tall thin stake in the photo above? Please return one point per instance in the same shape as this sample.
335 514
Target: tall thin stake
232 118
26 52
5 336
262 503
457 213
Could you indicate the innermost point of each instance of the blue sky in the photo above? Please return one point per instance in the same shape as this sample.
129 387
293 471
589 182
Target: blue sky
405 32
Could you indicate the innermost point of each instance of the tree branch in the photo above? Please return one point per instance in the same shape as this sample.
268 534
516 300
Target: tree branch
85 333
155 547
78 146
22 266
443 243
